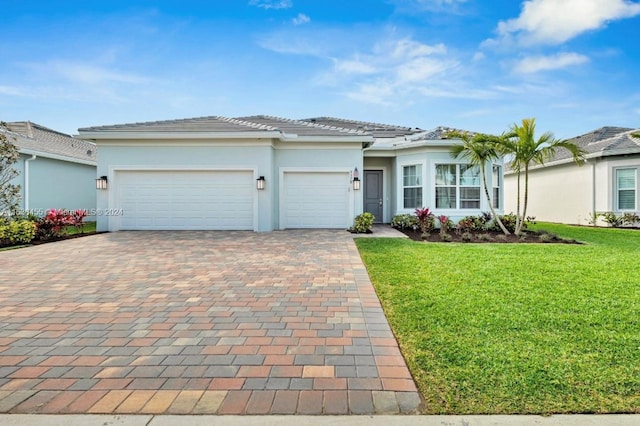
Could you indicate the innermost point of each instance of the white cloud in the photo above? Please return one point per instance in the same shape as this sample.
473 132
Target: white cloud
393 68
301 19
554 21
413 6
271 4
91 74
534 64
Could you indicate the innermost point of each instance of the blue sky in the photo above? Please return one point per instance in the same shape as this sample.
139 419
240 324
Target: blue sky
477 65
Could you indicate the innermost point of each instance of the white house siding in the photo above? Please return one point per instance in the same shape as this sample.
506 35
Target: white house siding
252 156
561 194
429 158
56 184
568 193
316 158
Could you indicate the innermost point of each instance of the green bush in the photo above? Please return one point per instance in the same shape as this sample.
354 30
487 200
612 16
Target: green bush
362 223
405 221
18 232
612 219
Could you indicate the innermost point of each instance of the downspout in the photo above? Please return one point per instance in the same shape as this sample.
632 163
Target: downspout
26 181
593 187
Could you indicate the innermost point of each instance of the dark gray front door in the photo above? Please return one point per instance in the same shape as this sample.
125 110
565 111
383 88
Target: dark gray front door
373 193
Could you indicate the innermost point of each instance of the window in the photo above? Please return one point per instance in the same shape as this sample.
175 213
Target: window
497 183
626 185
412 186
457 186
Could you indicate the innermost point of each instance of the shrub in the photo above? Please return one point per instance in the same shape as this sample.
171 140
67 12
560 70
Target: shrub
362 223
467 237
509 222
446 238
18 231
405 221
501 238
629 219
445 224
465 225
55 222
485 237
426 219
593 217
545 238
612 219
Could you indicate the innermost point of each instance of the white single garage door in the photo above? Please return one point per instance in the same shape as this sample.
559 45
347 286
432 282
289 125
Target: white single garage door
315 200
185 200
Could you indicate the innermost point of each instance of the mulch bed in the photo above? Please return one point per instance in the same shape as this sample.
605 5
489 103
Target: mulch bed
50 240
491 237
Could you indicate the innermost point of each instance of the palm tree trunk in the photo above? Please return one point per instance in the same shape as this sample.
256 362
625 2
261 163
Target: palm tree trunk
526 196
486 193
518 205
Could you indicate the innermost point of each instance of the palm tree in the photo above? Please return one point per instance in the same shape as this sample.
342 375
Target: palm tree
526 151
478 150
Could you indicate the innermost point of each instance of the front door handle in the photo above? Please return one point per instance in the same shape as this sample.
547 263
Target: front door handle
381 202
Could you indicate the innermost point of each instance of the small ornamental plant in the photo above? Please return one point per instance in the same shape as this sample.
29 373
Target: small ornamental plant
55 222
445 224
426 220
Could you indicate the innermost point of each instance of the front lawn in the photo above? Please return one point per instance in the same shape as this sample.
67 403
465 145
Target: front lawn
523 328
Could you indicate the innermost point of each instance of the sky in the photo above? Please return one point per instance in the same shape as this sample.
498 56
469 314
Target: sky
478 65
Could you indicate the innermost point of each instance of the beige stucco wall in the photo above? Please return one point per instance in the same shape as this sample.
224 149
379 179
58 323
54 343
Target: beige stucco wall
560 194
568 193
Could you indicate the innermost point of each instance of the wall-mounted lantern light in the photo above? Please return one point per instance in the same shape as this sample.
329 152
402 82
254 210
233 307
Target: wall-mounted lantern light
260 182
356 179
102 183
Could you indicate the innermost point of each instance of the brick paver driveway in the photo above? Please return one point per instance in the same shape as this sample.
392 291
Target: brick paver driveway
196 322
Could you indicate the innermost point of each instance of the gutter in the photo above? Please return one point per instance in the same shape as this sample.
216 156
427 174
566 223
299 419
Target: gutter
26 180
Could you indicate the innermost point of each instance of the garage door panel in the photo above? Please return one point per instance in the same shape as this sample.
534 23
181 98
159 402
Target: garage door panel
217 200
316 200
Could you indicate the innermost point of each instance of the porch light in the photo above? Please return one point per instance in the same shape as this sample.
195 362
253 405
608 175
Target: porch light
356 179
102 183
260 182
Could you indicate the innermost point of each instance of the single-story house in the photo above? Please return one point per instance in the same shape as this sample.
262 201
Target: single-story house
265 173
55 169
560 191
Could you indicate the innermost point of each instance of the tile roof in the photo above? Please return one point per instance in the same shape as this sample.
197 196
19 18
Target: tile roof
34 137
197 124
378 130
601 142
304 127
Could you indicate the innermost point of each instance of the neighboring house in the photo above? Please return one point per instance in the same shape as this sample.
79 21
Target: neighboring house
562 192
55 170
264 173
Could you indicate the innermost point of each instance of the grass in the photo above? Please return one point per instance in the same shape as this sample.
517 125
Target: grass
516 328
88 227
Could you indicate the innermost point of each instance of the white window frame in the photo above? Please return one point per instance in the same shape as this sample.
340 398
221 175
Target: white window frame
617 189
458 186
423 178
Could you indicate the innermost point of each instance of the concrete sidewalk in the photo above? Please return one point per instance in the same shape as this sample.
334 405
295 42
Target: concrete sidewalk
140 420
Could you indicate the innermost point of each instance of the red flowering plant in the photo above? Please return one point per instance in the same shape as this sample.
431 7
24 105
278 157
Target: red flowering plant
55 222
445 224
426 219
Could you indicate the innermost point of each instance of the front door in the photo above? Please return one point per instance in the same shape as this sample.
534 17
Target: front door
373 193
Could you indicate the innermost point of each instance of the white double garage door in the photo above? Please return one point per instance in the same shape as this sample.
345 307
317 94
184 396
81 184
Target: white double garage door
226 200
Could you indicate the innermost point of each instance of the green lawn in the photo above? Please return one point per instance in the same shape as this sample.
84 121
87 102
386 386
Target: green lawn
88 227
516 328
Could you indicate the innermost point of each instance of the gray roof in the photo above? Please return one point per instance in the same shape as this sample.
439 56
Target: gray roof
604 141
33 137
378 130
303 127
197 124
